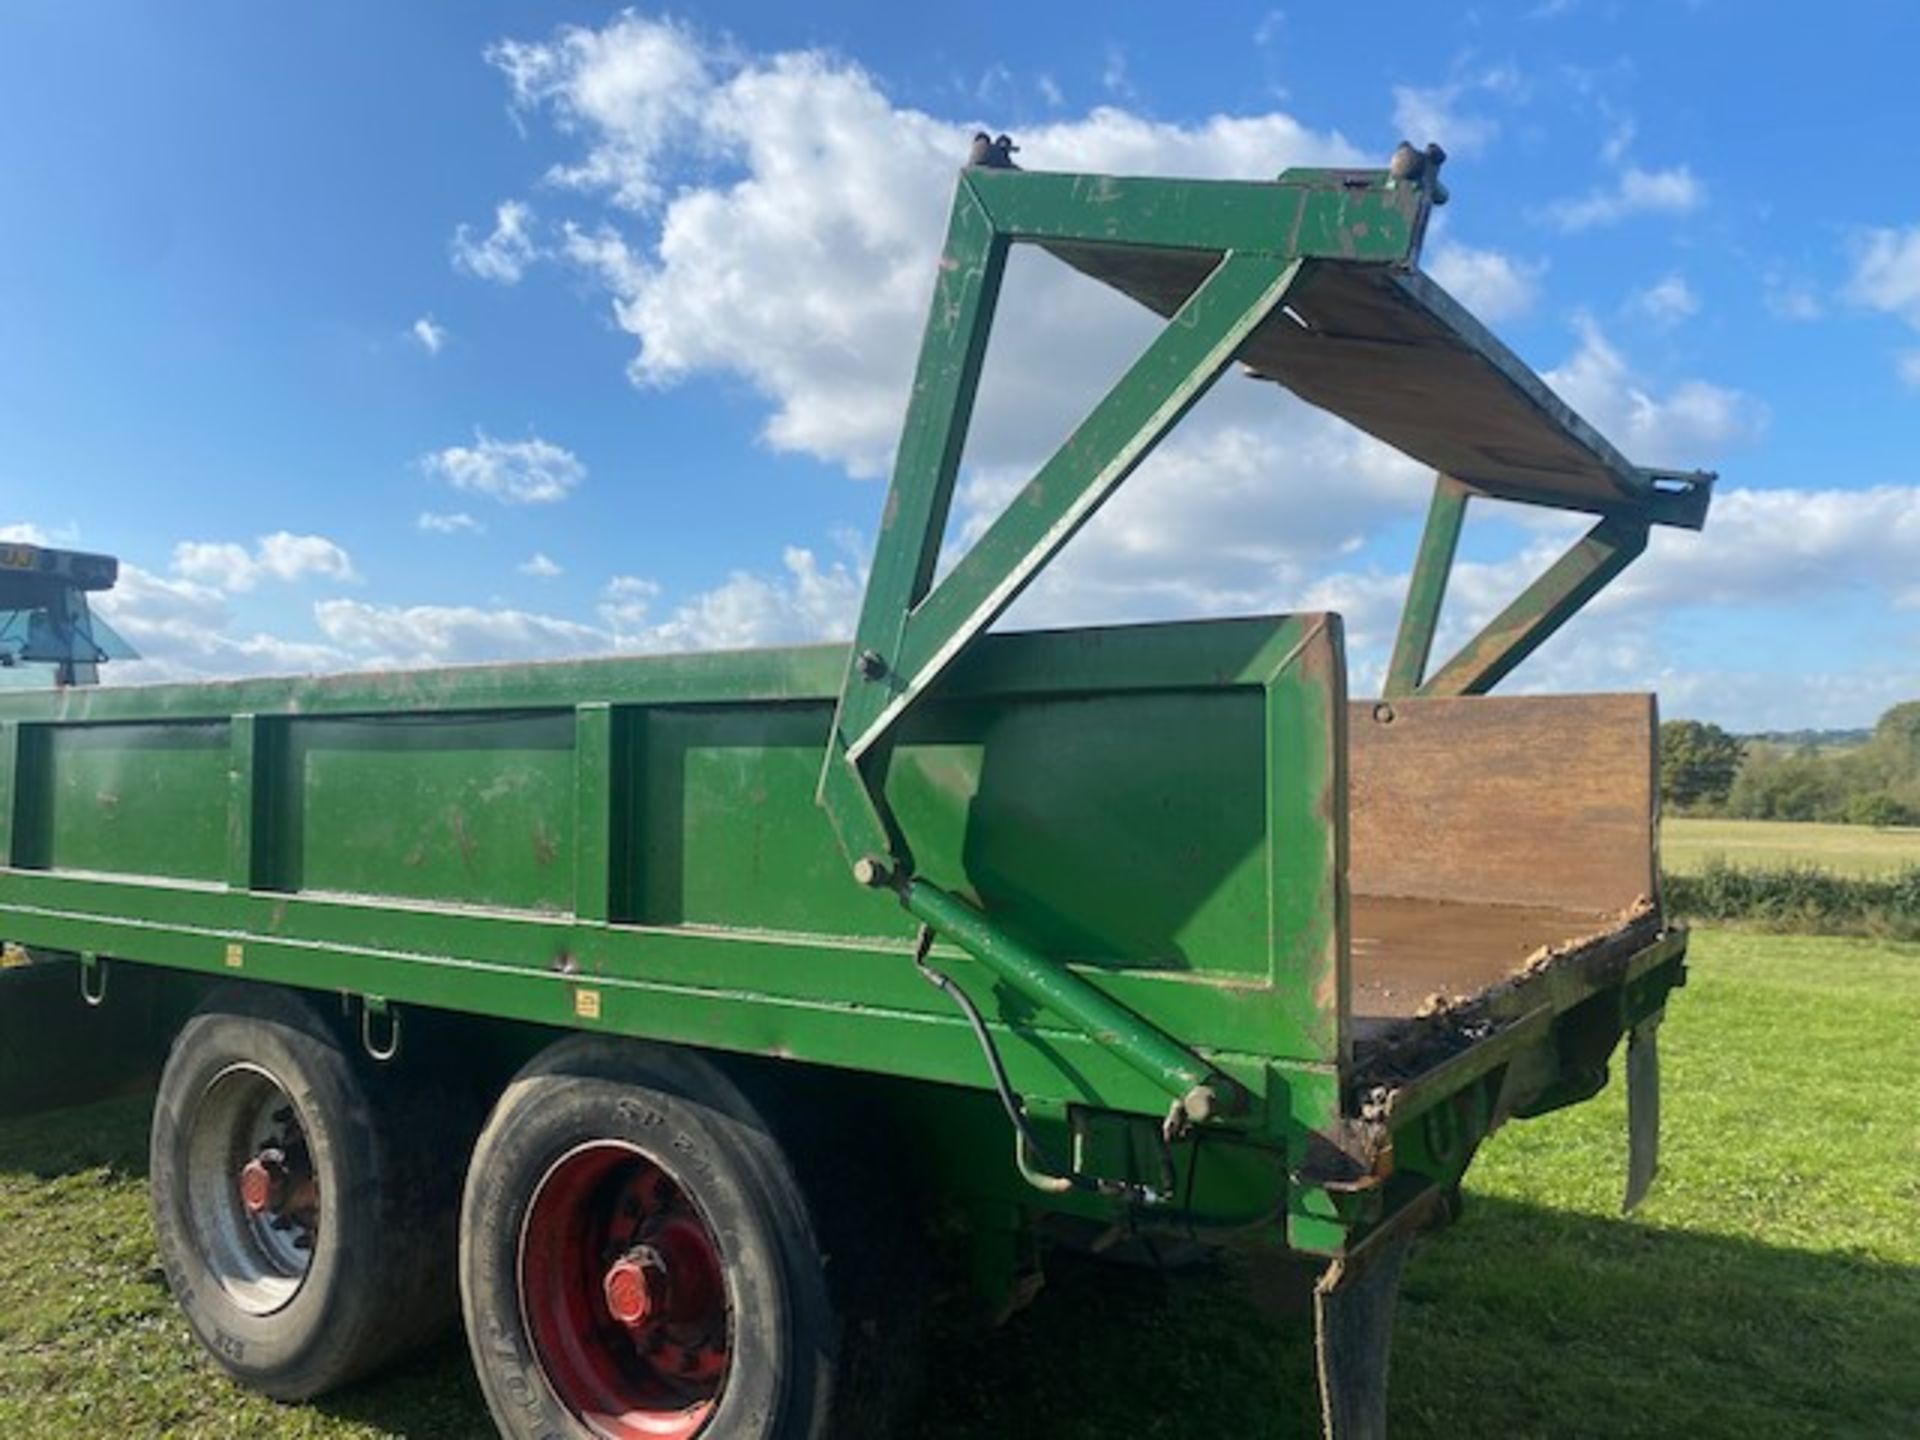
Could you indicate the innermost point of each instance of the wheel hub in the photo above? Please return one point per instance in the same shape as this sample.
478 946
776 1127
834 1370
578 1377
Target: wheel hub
263 1182
624 1295
253 1194
638 1287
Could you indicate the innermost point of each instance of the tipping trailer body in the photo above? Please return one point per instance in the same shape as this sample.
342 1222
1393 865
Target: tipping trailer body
1189 889
1192 815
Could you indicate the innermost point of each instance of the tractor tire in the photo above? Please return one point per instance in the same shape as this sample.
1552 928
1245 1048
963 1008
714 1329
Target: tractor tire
644 1256
304 1202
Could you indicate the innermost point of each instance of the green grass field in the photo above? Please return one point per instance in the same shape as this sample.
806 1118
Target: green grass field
1770 1287
1687 845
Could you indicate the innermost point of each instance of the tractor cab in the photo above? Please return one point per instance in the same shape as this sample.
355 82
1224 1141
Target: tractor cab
45 616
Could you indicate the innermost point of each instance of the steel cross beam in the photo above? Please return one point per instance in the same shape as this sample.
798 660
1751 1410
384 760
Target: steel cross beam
1542 608
1427 587
1676 498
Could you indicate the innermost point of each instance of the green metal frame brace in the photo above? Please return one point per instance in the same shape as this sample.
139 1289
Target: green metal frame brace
910 631
1248 248
1539 611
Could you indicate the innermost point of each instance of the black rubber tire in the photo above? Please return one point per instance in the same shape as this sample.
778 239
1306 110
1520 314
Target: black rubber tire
826 1308
381 1278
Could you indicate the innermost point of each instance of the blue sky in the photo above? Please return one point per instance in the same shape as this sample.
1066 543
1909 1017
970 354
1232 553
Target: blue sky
408 334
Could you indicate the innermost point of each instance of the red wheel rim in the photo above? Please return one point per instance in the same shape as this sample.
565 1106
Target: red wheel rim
624 1296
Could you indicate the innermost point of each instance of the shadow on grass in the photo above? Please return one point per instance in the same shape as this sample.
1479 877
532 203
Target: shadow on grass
111 1135
430 1396
1530 1321
1521 1321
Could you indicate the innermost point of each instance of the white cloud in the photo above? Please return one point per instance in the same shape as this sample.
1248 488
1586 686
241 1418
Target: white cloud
1493 285
515 472
1116 76
1886 272
1777 546
1422 115
1426 113
804 171
808 602
456 522
1633 191
1761 549
1692 422
1789 300
1757 700
797 167
540 566
26 532
428 334
1227 518
183 630
627 602
1886 277
502 255
1667 301
392 636
283 556
1619 140
637 87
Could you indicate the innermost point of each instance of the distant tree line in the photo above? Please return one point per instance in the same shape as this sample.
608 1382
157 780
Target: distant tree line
1704 770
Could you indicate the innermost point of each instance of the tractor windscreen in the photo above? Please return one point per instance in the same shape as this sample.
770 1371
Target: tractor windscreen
45 618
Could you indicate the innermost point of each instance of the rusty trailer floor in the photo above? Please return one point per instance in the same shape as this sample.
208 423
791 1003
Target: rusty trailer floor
1410 954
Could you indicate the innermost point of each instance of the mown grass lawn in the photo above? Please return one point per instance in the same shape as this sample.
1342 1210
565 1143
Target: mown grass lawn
1687 845
1771 1286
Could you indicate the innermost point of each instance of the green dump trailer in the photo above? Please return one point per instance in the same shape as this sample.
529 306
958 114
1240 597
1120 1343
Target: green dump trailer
677 1017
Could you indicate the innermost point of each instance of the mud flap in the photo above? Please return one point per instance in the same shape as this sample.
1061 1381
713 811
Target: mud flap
1353 1307
1643 1111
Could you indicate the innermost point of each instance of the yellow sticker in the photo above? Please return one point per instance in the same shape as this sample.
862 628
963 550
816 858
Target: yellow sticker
586 1004
236 955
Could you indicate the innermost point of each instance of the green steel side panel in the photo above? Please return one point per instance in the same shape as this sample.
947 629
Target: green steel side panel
1105 792
728 831
1124 831
125 799
1090 827
466 809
